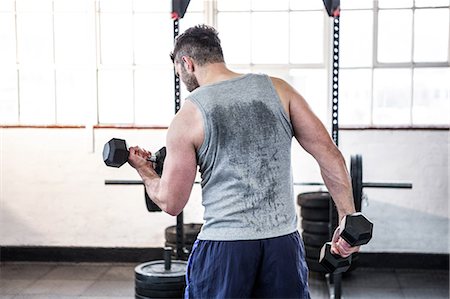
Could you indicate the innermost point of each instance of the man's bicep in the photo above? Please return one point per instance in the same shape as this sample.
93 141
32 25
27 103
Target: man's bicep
308 129
180 166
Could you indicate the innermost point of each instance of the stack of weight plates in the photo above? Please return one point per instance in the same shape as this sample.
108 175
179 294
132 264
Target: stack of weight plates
152 280
190 231
314 210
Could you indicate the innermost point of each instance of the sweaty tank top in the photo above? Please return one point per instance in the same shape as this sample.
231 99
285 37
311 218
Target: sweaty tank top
245 160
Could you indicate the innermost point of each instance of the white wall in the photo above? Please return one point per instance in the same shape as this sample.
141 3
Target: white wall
53 193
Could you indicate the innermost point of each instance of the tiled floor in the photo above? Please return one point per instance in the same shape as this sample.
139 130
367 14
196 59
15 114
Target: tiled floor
109 281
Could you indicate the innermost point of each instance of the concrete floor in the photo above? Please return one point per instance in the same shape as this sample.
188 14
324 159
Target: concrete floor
109 281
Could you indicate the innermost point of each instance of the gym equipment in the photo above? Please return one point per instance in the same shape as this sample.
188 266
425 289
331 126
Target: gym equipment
161 279
179 8
356 230
115 154
190 230
313 200
314 210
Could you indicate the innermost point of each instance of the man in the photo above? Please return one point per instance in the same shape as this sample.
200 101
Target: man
238 129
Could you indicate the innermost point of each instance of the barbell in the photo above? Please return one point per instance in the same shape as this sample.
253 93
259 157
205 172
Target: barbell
356 174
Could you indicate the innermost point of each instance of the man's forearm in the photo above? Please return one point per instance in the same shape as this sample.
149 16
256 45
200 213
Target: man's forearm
338 182
151 182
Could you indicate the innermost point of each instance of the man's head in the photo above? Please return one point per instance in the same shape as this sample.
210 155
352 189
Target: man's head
197 46
201 43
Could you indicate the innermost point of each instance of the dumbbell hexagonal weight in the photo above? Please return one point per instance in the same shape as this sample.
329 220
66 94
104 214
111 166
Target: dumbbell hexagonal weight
115 154
356 230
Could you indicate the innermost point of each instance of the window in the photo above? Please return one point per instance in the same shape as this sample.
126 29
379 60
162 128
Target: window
70 62
285 38
395 63
78 62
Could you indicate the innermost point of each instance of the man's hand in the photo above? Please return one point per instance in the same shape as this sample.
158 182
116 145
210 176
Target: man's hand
340 247
138 158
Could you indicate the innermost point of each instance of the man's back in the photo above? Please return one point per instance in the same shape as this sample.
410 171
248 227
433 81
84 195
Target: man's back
245 160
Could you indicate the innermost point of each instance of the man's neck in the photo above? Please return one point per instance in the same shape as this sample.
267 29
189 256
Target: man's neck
213 73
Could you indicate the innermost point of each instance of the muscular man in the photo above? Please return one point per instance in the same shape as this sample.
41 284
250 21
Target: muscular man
238 129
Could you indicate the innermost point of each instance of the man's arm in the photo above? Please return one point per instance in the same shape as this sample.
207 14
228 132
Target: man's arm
315 139
171 192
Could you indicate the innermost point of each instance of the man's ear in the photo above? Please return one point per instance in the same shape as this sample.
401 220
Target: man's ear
188 63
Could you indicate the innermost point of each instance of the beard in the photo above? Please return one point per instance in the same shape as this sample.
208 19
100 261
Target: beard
189 80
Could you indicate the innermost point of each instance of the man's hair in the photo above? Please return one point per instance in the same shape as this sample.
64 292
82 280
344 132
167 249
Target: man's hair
201 43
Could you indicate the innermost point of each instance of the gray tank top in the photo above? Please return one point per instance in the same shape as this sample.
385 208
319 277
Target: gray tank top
245 160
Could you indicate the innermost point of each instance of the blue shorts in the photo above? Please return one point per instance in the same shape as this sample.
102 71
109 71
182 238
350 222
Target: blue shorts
267 268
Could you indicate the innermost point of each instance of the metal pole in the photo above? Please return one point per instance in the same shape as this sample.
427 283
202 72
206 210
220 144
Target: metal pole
177 94
334 217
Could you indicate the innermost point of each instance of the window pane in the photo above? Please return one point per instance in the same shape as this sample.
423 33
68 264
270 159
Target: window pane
233 5
234 32
9 107
35 38
307 28
154 96
34 6
152 29
153 6
431 103
270 5
116 38
73 6
270 37
74 39
395 3
394 36
195 5
37 96
355 97
392 96
7 5
312 85
190 20
76 96
306 5
115 96
122 6
431 3
356 4
431 35
356 38
7 39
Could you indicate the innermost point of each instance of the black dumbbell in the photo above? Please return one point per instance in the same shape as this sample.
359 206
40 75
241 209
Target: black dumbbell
356 230
115 154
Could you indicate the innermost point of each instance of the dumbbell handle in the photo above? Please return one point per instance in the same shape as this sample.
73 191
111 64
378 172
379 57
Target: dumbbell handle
356 230
152 159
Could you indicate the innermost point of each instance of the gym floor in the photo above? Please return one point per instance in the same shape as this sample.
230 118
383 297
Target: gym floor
108 281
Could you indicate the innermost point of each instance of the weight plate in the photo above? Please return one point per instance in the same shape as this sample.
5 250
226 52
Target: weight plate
314 239
148 285
316 227
319 200
160 294
312 252
357 180
137 296
315 214
155 272
190 232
